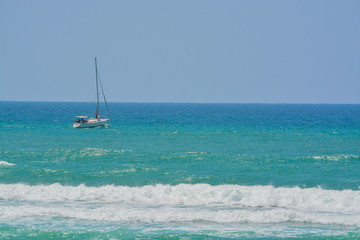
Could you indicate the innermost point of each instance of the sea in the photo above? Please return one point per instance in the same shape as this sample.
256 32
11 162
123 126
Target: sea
180 171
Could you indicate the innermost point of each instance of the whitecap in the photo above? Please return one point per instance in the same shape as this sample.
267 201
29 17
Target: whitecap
337 157
4 163
184 203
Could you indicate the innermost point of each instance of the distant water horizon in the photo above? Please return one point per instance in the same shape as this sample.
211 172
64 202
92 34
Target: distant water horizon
184 102
180 170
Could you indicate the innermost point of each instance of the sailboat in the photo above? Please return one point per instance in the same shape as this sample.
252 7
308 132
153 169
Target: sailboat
97 121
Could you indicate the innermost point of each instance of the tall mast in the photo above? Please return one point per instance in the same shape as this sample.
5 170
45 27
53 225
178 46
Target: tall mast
97 90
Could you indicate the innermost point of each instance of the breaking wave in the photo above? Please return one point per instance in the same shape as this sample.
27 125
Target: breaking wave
5 163
182 203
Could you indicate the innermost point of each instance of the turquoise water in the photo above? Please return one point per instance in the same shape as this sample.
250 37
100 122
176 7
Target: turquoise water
180 171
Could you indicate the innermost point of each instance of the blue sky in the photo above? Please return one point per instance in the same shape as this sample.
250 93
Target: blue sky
181 51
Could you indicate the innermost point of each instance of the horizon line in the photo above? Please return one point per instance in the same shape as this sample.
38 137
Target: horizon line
169 102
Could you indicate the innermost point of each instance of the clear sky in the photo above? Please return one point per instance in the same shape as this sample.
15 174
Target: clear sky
181 51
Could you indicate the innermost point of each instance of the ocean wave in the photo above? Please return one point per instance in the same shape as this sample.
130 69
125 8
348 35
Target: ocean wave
182 203
166 214
94 152
338 157
68 154
5 163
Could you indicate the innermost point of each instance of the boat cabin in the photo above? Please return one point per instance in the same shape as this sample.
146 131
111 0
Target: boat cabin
81 119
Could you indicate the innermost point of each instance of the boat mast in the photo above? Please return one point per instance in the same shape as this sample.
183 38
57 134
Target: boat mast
103 93
97 90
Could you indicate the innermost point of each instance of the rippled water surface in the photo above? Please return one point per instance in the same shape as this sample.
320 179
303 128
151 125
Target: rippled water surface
183 171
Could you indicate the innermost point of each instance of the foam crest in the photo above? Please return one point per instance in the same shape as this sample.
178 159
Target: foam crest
5 163
339 157
166 214
192 195
183 202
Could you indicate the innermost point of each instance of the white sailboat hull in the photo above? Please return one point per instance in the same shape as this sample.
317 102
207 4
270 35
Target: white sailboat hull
91 123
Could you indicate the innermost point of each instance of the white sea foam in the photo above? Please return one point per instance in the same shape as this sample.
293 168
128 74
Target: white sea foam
182 203
5 163
338 157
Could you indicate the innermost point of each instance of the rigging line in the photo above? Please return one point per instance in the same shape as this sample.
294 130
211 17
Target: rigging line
97 89
107 107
